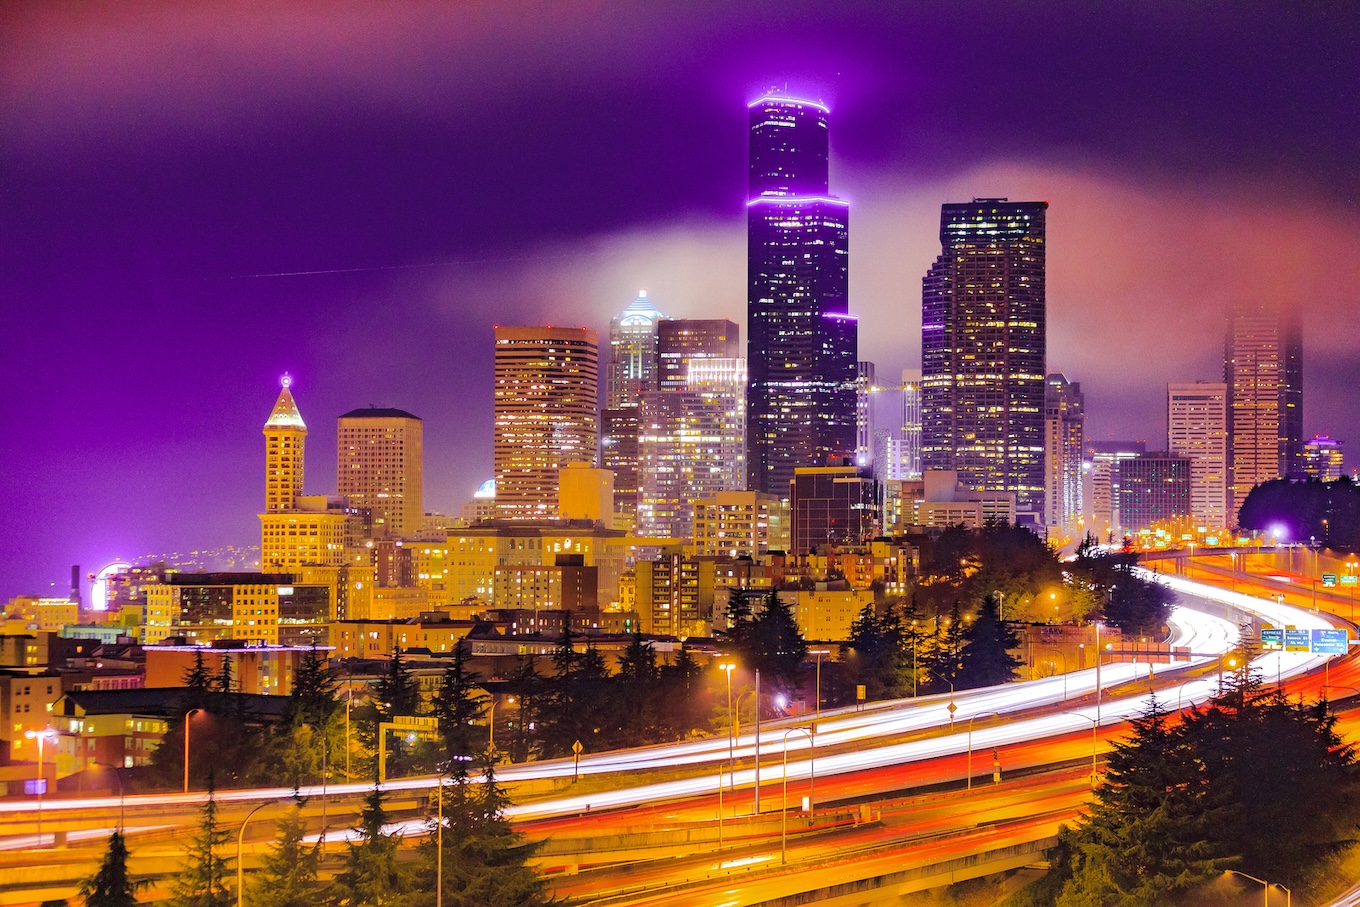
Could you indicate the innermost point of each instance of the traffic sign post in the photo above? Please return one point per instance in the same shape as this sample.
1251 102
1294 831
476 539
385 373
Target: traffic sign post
1297 641
1328 580
1272 640
1329 642
576 749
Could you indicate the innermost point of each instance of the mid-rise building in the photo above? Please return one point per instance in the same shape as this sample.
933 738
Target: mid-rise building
1197 429
1064 452
734 523
944 501
832 505
1105 457
251 607
983 350
380 457
567 585
546 414
1154 489
802 348
905 457
586 493
1323 459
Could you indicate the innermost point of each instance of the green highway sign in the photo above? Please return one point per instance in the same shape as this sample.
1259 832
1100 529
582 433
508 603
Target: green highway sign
1272 640
1328 580
1350 579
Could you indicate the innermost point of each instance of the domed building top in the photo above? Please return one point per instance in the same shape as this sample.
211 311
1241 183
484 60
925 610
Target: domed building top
640 311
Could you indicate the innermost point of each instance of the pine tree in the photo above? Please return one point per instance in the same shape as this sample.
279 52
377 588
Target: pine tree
313 699
635 698
373 875
288 874
1150 835
528 690
458 707
197 684
201 881
397 691
985 659
775 646
110 886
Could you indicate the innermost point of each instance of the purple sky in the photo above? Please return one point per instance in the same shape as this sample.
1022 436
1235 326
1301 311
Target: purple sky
447 166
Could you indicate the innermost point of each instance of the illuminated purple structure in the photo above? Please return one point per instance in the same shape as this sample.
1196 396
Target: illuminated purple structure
802 348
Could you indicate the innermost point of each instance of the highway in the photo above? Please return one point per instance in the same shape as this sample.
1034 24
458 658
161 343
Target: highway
1043 726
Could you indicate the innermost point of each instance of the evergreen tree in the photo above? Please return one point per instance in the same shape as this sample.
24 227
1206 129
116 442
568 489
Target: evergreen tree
774 645
110 886
528 689
877 643
458 708
985 659
945 656
224 683
373 875
313 699
485 862
197 685
635 698
739 617
288 874
397 691
685 705
201 881
1150 835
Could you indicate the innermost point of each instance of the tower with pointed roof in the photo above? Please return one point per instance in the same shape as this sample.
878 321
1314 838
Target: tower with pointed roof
285 435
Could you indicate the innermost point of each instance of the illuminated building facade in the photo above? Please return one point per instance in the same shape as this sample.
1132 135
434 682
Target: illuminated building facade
297 529
802 339
983 349
734 523
252 607
379 457
546 414
633 369
691 446
1197 429
1105 457
1064 450
1323 459
1263 369
682 341
864 414
1153 488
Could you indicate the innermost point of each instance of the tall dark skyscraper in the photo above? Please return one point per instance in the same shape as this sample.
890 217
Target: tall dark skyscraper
983 349
802 339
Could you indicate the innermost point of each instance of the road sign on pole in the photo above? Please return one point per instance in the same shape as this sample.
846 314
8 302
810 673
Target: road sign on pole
1272 640
576 749
1328 580
1298 641
1329 642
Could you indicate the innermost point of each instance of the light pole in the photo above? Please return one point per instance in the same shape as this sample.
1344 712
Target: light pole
1098 660
188 721
439 845
784 807
1232 556
240 848
970 744
1095 725
819 653
349 700
41 737
1180 689
1288 895
736 731
113 769
491 722
1350 570
1229 662
727 668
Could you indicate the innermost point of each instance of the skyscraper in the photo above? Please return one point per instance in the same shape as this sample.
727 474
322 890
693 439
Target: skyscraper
1197 429
546 414
802 339
632 370
682 340
379 462
909 456
1323 459
1263 369
1064 450
983 349
285 437
1154 488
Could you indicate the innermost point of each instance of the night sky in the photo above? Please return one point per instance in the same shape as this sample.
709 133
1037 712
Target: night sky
195 198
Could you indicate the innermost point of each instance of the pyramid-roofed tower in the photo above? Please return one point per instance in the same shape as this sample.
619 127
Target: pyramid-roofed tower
285 413
285 436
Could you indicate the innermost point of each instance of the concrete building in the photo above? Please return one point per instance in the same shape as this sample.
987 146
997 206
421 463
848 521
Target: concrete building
586 493
546 414
1105 457
567 585
681 341
946 502
475 552
1197 429
380 463
632 369
733 523
825 615
249 607
265 670
865 388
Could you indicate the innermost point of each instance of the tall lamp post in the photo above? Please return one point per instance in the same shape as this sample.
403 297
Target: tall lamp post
491 721
1095 725
1350 569
41 737
240 849
727 667
1063 656
784 807
188 721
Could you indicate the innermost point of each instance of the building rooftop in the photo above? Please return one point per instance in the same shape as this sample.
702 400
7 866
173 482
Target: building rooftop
379 412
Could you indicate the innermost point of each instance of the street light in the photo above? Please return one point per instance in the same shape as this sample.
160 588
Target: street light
240 848
491 722
819 653
42 737
188 720
1350 571
784 806
1095 725
1288 895
727 668
970 744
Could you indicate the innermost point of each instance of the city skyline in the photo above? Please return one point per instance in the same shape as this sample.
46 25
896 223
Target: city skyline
135 231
